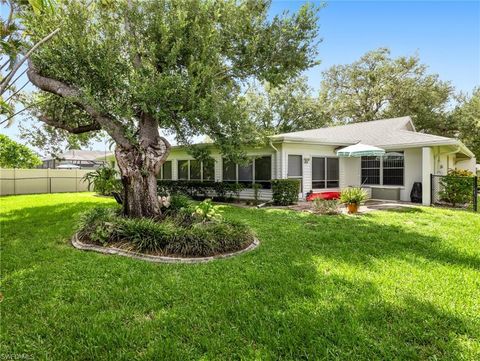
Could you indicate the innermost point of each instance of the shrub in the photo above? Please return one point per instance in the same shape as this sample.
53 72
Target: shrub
206 239
285 191
97 224
326 206
457 187
256 191
104 180
146 234
179 201
172 235
207 211
195 188
353 195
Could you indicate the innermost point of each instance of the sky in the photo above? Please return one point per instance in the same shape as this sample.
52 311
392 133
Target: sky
444 34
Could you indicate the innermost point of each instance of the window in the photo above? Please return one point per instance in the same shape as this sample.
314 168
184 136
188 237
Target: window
183 169
333 173
370 170
208 170
229 171
196 170
258 171
294 166
263 171
386 170
393 169
166 171
318 172
325 172
295 169
245 174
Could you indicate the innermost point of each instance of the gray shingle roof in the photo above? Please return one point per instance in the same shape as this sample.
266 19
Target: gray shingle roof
382 133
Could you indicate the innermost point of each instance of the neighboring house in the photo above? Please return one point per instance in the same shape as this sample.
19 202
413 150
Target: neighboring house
310 156
85 159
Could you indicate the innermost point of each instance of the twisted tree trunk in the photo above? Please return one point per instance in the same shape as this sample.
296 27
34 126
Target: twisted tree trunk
139 159
139 168
139 179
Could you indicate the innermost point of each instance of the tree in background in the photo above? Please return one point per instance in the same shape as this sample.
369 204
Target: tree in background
378 86
286 108
130 67
466 118
15 155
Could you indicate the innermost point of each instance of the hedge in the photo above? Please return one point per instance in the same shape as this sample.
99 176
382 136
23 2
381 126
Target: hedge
285 191
198 189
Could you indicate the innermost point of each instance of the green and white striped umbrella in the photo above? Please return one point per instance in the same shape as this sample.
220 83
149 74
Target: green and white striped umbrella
360 150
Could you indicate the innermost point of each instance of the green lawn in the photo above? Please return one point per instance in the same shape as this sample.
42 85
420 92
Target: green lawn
386 285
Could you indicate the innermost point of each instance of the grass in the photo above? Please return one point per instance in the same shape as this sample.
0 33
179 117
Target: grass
386 285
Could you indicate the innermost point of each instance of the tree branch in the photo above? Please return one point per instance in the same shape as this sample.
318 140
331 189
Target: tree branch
17 66
74 130
107 122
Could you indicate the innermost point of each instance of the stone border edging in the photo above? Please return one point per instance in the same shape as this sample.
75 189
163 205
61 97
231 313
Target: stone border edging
157 259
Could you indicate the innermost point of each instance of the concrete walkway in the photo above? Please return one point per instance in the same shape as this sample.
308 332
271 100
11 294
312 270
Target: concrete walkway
369 206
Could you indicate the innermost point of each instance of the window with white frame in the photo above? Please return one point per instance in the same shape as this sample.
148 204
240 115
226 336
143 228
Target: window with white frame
325 172
385 170
258 171
166 170
196 170
295 169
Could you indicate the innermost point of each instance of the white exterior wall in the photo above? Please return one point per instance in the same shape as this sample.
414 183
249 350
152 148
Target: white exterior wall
307 151
412 171
468 164
428 166
350 172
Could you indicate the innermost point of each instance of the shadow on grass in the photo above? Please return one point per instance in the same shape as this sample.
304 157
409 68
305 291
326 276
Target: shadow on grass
361 239
306 293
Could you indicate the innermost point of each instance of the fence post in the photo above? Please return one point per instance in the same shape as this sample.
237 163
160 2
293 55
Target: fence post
475 193
49 181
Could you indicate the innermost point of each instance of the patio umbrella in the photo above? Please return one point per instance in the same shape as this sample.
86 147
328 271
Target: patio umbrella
360 150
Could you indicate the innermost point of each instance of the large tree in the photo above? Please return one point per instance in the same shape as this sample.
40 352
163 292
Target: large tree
132 67
378 86
466 120
285 108
16 155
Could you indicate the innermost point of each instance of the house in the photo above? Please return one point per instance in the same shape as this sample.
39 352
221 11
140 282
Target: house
85 159
310 156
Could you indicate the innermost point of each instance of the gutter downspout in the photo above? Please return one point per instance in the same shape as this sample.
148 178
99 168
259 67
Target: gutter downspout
276 156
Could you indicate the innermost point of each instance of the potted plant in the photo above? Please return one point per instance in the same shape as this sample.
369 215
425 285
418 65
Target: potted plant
353 197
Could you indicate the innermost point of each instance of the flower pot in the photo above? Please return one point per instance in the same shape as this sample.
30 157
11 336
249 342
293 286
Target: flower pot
352 208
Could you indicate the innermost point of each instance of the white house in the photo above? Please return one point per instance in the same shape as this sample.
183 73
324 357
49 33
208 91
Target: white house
310 156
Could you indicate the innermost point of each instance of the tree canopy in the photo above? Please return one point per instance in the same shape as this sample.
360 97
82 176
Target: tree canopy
132 67
285 108
378 86
16 155
466 120
15 51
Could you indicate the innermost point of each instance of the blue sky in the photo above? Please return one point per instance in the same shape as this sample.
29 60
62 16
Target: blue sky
445 35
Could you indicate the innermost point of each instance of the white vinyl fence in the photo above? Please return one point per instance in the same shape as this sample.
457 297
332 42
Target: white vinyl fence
28 181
